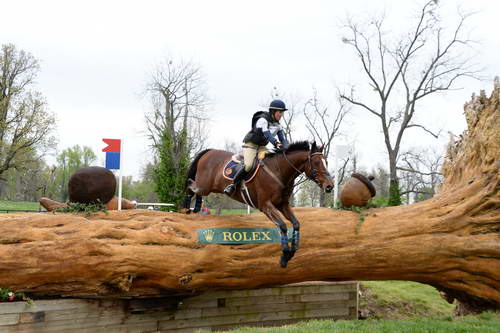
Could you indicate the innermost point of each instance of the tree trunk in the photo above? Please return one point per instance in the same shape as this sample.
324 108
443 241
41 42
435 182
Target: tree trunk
450 241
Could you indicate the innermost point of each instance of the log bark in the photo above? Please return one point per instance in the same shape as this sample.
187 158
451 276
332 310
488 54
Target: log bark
451 241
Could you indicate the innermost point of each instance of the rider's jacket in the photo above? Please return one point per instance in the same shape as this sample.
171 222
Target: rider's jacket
264 128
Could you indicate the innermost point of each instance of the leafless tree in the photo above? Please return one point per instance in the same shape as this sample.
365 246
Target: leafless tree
420 172
178 93
308 195
426 60
25 123
324 125
381 181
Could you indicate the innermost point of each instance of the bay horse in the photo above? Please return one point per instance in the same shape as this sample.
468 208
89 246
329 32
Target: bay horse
269 190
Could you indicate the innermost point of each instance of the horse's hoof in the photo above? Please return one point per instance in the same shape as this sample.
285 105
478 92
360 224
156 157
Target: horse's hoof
185 211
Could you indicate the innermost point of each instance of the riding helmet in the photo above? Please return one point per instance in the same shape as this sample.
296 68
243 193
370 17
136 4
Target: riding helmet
277 105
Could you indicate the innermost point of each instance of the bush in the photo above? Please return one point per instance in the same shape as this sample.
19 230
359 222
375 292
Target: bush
378 202
394 195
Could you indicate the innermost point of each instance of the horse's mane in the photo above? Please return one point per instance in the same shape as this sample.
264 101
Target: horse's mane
295 146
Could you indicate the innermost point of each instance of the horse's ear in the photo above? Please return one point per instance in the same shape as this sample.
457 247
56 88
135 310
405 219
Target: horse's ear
320 148
313 147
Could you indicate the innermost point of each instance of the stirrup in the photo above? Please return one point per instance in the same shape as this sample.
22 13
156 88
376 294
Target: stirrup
229 190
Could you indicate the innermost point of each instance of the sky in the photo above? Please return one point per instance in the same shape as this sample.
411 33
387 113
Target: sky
96 58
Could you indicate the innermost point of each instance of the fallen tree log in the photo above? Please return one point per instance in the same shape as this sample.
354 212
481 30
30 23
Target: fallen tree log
451 241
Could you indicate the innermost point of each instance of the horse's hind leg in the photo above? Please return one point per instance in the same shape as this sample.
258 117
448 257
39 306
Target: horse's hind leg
273 214
186 206
198 203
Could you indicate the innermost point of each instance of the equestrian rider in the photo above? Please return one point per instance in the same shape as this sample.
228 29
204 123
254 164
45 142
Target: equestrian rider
265 126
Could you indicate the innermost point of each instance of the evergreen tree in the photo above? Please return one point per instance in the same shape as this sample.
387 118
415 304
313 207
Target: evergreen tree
171 170
175 125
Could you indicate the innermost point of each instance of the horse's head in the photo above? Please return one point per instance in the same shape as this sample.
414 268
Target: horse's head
316 168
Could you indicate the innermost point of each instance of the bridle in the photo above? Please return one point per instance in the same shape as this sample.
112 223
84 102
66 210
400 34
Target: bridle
314 177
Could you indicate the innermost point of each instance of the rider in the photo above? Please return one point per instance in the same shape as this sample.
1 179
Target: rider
265 126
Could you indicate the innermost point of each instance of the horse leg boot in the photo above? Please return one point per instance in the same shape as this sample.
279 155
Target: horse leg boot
229 190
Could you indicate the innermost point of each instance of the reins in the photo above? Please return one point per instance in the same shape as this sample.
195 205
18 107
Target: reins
314 172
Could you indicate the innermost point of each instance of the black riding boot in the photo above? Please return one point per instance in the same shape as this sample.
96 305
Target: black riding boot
229 190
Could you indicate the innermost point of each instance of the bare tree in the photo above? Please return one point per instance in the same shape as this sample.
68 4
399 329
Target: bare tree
424 61
381 181
308 194
420 169
176 123
178 93
324 125
25 123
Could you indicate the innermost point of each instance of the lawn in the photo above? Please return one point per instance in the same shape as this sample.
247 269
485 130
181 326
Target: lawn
18 206
401 299
483 323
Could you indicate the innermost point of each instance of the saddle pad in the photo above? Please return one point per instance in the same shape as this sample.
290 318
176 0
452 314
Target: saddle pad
229 171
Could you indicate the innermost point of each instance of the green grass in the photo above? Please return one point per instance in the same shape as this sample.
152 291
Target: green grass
484 323
400 299
19 206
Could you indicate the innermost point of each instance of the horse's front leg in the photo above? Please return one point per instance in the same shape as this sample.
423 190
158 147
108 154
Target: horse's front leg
274 215
287 212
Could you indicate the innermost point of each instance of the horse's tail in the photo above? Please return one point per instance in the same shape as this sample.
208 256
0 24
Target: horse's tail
191 175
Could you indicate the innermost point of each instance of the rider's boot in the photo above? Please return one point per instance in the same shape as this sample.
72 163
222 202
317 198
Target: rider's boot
229 190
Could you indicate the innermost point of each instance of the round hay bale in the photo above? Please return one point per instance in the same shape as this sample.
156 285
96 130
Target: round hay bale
357 191
92 185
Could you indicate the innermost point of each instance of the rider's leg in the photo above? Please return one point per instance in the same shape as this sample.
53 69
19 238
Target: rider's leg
249 153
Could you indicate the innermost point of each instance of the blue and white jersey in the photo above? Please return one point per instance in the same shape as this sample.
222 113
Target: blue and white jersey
264 124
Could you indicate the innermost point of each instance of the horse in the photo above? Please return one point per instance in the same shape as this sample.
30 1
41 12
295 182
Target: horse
269 190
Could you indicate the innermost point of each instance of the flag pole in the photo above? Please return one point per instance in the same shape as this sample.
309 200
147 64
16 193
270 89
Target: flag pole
120 177
336 177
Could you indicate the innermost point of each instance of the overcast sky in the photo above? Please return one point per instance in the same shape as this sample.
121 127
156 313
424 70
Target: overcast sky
96 57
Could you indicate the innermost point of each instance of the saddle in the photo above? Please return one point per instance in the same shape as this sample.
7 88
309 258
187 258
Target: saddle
236 162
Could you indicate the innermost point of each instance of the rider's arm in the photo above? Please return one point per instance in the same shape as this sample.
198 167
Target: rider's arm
262 124
281 136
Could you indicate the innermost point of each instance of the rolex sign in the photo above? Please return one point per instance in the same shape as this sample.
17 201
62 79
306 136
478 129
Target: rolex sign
240 235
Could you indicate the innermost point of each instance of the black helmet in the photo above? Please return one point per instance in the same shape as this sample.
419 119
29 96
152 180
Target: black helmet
277 105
